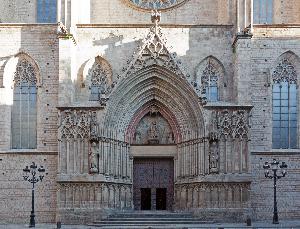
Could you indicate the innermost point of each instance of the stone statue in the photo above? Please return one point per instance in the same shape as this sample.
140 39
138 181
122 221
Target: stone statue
93 158
213 157
153 133
138 137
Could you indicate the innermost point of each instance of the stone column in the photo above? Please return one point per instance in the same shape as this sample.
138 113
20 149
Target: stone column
238 16
58 15
245 13
251 18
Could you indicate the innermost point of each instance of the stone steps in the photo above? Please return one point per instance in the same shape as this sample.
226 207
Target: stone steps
148 219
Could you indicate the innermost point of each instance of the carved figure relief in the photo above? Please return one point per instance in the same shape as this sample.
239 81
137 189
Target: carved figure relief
94 158
153 129
213 156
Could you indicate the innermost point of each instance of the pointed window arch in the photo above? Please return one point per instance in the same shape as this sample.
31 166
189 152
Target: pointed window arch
209 74
100 79
24 108
285 104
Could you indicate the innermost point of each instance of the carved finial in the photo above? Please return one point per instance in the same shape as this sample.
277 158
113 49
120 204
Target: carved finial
155 17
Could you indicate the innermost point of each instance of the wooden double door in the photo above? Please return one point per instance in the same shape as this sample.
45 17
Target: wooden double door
153 183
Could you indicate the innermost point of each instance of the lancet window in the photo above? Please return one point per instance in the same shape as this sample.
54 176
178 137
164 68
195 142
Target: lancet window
209 81
99 81
24 108
285 100
263 11
46 11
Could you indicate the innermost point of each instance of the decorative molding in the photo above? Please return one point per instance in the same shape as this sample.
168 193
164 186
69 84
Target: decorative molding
233 124
74 124
149 5
284 72
25 73
154 51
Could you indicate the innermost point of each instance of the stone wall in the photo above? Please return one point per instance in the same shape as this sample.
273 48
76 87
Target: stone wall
15 193
264 56
117 45
39 43
18 11
288 188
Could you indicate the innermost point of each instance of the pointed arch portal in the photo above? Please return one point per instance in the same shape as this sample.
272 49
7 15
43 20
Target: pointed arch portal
155 90
155 100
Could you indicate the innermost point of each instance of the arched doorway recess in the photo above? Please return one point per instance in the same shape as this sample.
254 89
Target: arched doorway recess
155 100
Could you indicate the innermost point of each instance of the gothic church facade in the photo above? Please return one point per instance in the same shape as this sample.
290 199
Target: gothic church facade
149 105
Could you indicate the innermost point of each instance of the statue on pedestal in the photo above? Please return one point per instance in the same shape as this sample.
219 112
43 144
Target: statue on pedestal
94 158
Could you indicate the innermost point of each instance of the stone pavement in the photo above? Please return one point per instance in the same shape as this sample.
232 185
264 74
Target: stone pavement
292 224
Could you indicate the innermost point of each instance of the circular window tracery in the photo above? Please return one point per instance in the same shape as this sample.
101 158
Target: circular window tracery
155 4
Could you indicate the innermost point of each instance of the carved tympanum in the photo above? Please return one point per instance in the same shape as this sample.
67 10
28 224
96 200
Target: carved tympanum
153 129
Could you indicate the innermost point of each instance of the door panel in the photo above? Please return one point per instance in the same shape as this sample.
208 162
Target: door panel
155 174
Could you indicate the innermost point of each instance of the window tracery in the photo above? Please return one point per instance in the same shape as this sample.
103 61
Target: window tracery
100 86
155 4
285 100
24 109
209 75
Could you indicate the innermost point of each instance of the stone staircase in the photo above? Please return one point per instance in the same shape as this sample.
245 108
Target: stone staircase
151 219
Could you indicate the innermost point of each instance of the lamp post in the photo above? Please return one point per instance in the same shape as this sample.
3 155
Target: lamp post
271 170
31 176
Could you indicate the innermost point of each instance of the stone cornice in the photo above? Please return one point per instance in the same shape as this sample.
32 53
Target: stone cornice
277 152
218 178
149 25
54 25
28 152
90 178
276 26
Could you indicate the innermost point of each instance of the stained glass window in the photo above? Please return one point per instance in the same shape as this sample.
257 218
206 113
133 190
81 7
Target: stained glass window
46 11
24 112
285 106
263 11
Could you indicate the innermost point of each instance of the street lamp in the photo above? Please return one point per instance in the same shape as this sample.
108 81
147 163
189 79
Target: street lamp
31 176
274 166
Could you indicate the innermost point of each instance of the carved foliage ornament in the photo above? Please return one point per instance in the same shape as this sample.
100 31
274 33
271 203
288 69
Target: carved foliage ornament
285 72
25 74
154 52
74 124
233 124
155 4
